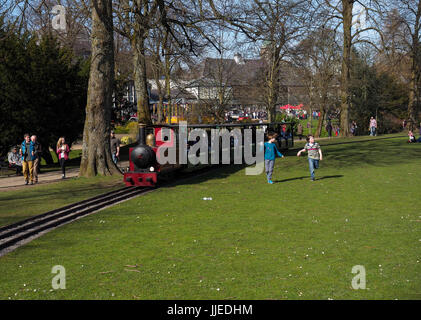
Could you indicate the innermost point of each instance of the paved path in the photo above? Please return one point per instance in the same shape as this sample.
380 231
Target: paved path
17 182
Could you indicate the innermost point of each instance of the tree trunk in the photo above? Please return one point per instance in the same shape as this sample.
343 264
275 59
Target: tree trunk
168 76
46 154
346 66
320 123
96 153
140 80
413 94
272 82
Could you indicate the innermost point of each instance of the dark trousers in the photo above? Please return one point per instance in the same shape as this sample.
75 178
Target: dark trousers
62 165
18 168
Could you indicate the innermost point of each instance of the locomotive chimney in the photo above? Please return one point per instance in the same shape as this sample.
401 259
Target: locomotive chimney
142 134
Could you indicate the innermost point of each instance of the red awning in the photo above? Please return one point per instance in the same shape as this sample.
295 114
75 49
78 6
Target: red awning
288 106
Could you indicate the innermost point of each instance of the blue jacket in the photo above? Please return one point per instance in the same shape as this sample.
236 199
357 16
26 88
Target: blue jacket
270 151
31 149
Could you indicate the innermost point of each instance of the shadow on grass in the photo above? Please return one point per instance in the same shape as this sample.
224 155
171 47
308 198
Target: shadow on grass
290 179
59 192
211 173
307 177
381 152
330 177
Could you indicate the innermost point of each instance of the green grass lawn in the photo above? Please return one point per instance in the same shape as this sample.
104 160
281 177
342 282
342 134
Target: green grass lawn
295 239
25 203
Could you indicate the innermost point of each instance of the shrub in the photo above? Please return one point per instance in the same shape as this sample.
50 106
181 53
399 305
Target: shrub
126 140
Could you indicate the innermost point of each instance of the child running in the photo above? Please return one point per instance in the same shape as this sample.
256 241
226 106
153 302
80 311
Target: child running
270 155
314 154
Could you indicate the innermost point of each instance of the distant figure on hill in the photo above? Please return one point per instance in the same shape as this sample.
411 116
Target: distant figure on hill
329 129
373 127
411 137
354 124
300 131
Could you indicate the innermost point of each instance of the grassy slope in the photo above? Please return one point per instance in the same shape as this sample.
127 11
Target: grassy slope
295 239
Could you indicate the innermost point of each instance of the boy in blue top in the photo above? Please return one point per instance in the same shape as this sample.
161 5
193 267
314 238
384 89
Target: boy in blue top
270 156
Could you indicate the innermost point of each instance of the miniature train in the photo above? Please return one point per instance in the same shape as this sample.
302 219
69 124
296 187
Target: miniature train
148 160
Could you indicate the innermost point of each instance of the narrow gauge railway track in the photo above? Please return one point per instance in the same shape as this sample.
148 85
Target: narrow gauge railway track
17 234
22 232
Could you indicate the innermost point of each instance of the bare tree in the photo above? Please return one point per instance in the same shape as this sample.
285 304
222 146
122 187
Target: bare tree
403 38
354 25
137 18
278 25
318 58
38 16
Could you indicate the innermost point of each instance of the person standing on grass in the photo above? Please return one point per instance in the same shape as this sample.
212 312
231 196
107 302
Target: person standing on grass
270 148
373 126
329 129
300 130
62 151
27 152
355 128
37 155
314 155
115 147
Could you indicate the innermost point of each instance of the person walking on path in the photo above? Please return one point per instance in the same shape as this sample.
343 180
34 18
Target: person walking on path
27 152
314 155
115 147
373 127
270 148
37 154
62 151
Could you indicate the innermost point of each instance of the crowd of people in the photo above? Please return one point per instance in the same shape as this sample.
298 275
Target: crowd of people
26 159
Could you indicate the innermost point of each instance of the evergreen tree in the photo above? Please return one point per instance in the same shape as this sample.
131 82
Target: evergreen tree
43 90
